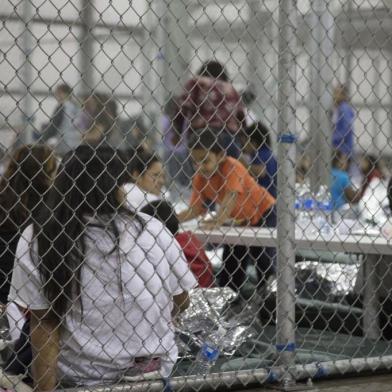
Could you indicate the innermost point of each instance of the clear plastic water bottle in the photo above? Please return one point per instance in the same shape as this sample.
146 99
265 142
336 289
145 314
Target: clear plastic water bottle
209 353
306 212
303 207
323 213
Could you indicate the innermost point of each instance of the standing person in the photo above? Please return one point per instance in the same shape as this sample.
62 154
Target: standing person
226 182
343 122
256 141
198 261
176 154
210 100
91 109
62 125
101 283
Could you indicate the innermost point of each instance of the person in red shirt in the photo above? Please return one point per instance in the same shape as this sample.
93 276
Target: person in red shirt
194 252
226 182
210 100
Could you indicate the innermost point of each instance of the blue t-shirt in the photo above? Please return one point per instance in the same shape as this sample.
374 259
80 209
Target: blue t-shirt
265 156
343 135
340 181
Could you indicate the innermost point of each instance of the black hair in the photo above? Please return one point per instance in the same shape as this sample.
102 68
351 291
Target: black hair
374 163
213 69
139 161
337 158
24 185
259 134
206 139
163 211
389 194
87 184
64 88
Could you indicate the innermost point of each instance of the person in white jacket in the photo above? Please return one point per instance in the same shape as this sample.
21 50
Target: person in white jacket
102 284
146 179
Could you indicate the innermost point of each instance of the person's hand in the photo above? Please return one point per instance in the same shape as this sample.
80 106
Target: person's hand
209 224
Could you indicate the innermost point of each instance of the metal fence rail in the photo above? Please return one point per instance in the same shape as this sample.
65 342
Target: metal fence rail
257 133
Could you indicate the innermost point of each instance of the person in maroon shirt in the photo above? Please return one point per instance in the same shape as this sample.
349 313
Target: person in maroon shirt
210 101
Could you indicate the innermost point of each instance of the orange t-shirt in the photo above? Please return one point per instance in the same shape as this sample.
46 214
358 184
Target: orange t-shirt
252 199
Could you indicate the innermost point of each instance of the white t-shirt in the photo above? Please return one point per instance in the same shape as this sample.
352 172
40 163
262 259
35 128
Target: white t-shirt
136 197
126 296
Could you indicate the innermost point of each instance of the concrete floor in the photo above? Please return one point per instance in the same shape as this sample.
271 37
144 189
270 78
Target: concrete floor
381 383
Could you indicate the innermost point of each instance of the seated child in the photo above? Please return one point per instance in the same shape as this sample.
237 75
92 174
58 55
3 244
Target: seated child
370 168
146 178
256 142
199 262
226 182
342 191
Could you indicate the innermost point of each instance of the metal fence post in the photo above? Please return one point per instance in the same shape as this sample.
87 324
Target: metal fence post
286 185
154 52
26 76
86 48
322 28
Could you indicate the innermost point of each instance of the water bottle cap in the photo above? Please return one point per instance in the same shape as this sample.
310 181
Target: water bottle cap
326 206
209 352
308 204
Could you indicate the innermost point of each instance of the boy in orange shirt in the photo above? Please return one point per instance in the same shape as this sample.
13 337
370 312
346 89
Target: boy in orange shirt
225 181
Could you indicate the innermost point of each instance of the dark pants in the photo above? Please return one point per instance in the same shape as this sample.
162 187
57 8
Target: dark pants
236 258
20 360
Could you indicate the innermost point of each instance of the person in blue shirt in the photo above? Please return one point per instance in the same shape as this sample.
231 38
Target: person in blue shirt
343 121
256 141
342 191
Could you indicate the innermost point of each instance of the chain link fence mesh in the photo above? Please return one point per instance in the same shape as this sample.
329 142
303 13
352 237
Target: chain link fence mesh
256 133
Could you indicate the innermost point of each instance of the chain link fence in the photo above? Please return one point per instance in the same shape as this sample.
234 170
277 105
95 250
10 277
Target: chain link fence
257 134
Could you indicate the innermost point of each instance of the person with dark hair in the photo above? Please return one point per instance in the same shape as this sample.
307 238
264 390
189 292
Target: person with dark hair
194 252
256 141
210 100
62 126
101 283
370 169
23 189
213 69
343 120
342 191
226 182
103 129
175 146
146 178
92 107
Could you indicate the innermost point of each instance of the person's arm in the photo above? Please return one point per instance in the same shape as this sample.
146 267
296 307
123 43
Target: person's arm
258 170
54 124
225 210
181 303
354 196
94 134
192 212
45 337
196 207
